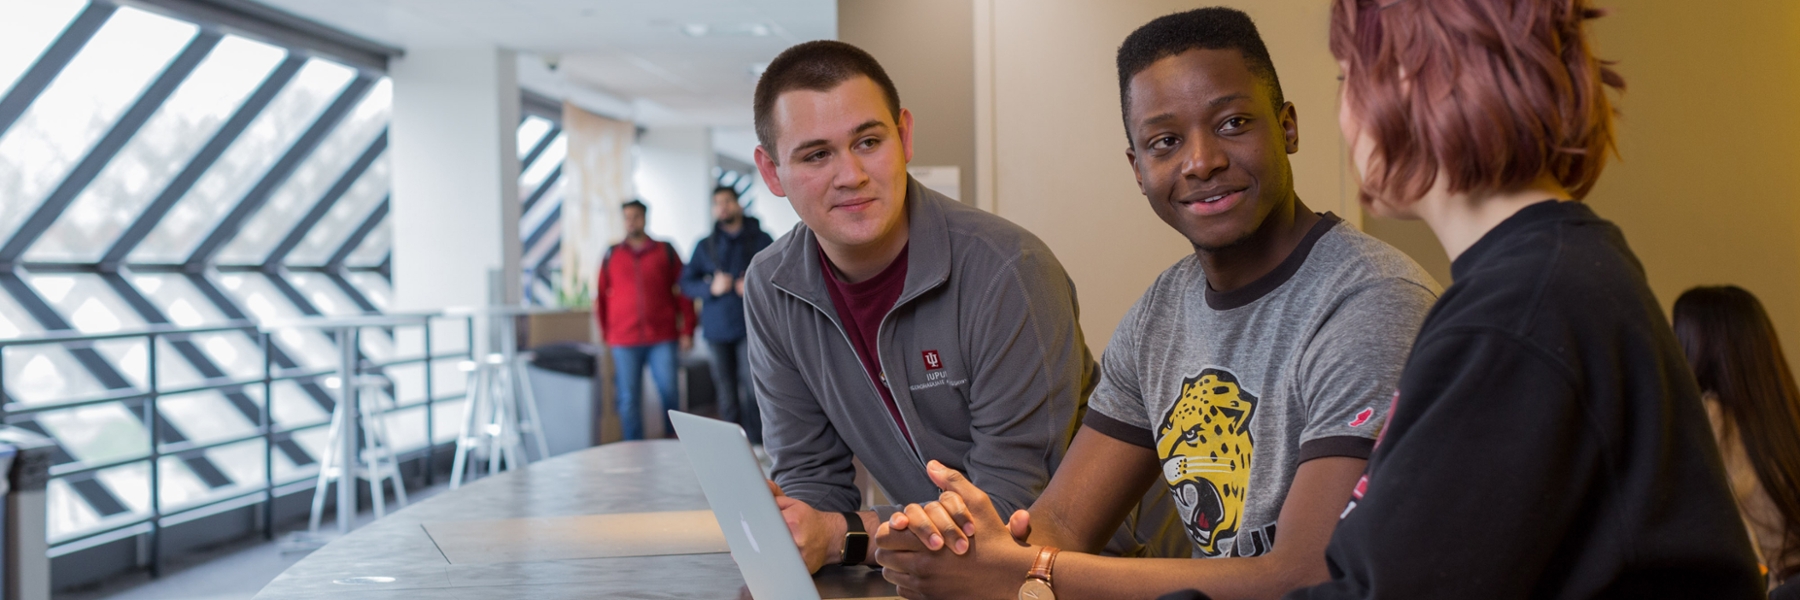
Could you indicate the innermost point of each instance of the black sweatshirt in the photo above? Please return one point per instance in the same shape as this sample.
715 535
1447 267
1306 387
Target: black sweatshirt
1547 440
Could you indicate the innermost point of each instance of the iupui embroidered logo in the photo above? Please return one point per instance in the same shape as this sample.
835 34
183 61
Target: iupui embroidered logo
932 362
1362 418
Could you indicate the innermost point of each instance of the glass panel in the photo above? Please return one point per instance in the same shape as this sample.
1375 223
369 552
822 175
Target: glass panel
244 162
546 162
92 307
294 407
27 29
406 428
302 190
374 287
345 216
205 417
84 101
531 132
178 299
263 302
69 514
180 486
161 149
374 248
313 442
323 294
47 374
446 421
235 353
242 462
98 433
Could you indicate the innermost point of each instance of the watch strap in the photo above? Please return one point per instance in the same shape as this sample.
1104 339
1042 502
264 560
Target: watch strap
856 540
1046 560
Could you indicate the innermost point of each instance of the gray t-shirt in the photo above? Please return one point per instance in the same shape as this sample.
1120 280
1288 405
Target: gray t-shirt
1234 390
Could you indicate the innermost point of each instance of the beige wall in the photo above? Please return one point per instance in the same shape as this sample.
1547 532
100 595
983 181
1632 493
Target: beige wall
1709 135
1049 99
926 47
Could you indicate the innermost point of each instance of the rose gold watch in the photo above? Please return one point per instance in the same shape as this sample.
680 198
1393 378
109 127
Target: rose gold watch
1037 582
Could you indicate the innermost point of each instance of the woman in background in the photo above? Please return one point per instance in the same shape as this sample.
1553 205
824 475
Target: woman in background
1755 409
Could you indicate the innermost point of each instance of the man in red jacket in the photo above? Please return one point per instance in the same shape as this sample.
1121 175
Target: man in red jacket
642 316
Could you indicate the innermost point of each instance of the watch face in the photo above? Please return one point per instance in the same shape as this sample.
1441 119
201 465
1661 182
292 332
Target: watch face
1036 589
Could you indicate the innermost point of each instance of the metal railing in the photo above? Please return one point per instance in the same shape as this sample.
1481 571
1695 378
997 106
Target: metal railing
146 399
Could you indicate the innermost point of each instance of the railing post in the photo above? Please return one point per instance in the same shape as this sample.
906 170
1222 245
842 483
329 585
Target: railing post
430 399
153 418
268 430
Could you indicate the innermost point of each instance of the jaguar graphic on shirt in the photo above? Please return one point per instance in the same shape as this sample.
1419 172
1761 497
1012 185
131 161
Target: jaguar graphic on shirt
1205 445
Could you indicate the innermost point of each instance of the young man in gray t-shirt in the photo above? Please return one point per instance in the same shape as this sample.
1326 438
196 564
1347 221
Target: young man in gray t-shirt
1251 378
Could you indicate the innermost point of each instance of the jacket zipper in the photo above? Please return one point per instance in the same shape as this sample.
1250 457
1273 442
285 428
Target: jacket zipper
881 371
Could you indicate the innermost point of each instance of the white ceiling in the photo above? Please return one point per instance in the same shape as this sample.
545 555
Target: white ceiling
629 58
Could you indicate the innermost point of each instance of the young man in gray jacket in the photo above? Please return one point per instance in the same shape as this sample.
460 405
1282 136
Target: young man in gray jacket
895 325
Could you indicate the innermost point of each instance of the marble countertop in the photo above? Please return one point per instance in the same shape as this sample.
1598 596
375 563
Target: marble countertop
395 558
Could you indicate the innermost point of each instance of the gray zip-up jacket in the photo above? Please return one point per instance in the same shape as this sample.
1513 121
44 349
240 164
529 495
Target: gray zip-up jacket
983 295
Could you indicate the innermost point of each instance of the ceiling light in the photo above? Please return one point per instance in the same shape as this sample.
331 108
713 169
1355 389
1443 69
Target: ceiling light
695 29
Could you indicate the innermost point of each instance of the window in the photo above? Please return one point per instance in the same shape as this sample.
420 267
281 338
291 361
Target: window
137 142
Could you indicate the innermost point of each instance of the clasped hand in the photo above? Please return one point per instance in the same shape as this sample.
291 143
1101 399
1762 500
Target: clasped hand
987 557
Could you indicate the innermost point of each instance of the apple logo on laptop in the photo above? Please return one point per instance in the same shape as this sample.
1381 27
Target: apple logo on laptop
747 534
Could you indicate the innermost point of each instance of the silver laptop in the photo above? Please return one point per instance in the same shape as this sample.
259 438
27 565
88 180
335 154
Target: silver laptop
735 488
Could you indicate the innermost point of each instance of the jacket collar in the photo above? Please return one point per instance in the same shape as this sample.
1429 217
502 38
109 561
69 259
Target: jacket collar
928 252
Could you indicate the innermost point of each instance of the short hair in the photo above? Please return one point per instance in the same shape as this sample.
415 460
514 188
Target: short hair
637 204
1212 28
1495 93
727 190
816 66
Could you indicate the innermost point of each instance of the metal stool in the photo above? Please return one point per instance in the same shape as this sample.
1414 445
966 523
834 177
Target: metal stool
366 399
500 411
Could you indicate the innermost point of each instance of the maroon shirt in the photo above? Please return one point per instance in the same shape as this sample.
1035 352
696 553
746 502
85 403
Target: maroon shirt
861 306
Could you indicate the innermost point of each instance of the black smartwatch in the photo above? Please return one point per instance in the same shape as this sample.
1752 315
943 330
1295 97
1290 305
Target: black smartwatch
856 540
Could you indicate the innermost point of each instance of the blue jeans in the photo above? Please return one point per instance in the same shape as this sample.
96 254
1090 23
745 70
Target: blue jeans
628 370
731 373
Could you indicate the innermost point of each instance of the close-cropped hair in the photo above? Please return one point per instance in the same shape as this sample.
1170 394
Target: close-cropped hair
637 204
814 66
1212 28
726 189
1492 94
1731 345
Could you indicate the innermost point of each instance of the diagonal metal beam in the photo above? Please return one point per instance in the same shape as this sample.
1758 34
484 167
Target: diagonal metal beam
357 237
109 146
293 295
51 62
258 195
330 199
542 188
356 295
203 160
543 229
539 148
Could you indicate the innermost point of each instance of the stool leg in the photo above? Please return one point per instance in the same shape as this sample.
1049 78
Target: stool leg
497 438
464 439
324 480
387 449
371 454
528 405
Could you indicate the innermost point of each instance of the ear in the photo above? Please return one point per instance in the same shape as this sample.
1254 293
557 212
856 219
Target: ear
905 126
1290 126
1131 157
766 167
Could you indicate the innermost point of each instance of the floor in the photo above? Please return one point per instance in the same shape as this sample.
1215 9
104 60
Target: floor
231 572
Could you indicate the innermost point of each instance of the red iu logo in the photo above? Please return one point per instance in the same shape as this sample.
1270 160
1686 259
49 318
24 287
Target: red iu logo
932 362
1362 417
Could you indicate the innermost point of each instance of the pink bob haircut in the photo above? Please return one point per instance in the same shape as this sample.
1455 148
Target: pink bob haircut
1495 94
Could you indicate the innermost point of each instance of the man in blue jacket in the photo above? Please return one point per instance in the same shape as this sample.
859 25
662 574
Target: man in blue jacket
715 275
